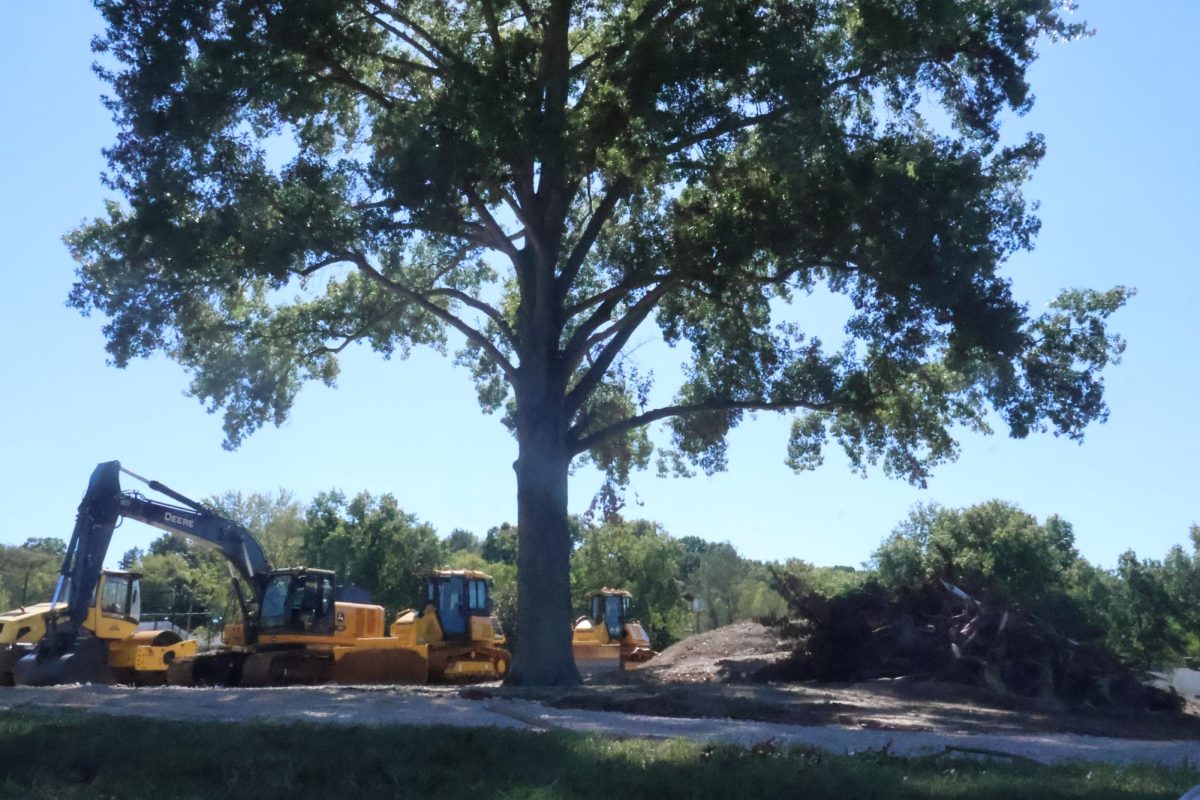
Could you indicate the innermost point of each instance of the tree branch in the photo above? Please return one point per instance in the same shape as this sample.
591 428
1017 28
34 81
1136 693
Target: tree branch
631 423
409 38
489 14
488 310
592 230
473 336
499 239
622 331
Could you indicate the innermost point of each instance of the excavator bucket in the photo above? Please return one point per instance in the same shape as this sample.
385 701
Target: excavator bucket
85 662
391 665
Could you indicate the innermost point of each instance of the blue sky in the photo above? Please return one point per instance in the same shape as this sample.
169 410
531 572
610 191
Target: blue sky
1119 204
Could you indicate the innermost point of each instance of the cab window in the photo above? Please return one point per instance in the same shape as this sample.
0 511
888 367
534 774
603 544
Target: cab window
274 603
614 615
478 599
115 601
450 611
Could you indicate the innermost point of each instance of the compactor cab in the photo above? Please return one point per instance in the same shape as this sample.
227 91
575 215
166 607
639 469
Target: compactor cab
110 647
606 638
118 606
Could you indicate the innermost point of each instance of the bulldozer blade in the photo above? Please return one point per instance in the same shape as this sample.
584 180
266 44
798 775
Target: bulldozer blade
85 662
594 659
392 665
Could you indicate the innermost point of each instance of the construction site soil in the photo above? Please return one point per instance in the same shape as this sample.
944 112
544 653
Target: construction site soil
716 674
706 685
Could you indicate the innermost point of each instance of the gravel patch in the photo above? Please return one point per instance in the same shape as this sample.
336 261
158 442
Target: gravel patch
447 706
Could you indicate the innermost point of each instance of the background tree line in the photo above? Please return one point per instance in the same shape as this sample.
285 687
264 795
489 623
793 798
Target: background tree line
1143 610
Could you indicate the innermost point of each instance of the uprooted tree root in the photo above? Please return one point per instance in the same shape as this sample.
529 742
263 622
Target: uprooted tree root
941 632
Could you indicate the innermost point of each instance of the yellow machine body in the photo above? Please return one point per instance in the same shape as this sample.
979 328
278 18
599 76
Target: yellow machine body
475 655
133 656
595 647
27 624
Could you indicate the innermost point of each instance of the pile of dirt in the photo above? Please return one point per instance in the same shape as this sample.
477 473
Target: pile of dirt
741 652
738 672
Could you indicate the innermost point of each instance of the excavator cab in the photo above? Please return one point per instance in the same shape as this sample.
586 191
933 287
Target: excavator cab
298 601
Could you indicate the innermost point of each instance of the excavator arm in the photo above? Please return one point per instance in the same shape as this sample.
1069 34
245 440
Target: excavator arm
104 505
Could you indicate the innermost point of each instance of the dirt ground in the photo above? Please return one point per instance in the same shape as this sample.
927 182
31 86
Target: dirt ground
698 689
711 675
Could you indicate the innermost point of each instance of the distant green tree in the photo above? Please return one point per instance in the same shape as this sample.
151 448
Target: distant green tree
131 557
500 544
276 521
992 544
29 571
372 543
464 540
717 581
1146 620
756 598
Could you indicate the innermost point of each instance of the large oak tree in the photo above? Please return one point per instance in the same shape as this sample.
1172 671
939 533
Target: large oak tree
540 179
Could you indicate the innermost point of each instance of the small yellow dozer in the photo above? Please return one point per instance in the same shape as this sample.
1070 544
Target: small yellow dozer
455 635
111 650
605 639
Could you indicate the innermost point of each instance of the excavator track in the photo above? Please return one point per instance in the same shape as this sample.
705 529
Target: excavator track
287 668
210 669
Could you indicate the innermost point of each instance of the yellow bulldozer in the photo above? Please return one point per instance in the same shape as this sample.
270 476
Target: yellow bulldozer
605 638
117 648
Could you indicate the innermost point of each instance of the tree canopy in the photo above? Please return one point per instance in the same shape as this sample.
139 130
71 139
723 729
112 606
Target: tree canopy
546 178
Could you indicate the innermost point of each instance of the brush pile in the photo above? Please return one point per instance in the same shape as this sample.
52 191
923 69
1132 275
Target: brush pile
941 632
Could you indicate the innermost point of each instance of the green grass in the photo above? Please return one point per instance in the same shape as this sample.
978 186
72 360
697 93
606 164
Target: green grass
45 755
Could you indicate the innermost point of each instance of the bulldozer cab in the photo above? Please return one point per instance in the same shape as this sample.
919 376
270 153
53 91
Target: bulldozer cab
299 601
610 607
456 596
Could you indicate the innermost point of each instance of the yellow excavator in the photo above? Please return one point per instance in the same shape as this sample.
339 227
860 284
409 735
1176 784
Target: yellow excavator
605 638
123 653
294 629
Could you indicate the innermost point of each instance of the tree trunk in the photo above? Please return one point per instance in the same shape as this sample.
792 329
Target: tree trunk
543 638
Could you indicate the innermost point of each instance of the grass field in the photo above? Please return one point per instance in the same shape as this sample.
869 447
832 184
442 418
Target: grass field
76 755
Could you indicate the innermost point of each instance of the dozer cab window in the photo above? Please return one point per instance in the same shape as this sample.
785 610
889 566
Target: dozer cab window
452 616
614 614
114 601
477 597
